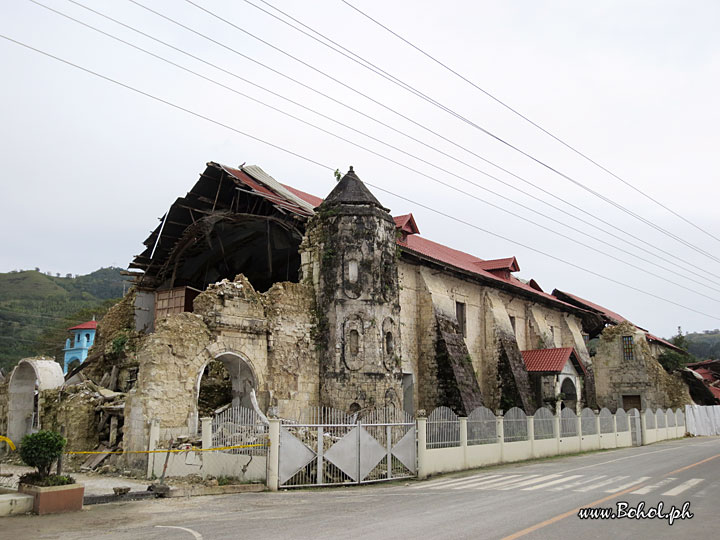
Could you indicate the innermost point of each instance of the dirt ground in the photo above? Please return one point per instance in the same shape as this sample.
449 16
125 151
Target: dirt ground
95 484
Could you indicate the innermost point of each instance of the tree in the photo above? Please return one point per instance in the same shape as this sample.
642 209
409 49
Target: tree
673 360
41 450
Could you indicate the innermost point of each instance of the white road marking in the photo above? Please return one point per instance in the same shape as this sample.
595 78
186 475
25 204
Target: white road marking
529 482
491 483
647 489
454 481
578 483
432 483
474 481
512 482
553 482
601 484
197 535
628 484
683 487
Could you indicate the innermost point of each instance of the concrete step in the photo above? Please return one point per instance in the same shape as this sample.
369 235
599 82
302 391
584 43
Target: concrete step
12 504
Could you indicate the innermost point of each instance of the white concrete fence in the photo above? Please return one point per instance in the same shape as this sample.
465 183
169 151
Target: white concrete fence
449 443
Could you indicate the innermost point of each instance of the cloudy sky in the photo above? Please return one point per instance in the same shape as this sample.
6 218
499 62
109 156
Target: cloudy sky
88 166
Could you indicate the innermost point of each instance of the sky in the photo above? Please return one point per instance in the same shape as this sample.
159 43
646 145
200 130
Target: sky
88 166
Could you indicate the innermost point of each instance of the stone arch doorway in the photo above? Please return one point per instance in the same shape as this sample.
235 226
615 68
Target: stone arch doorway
28 379
241 384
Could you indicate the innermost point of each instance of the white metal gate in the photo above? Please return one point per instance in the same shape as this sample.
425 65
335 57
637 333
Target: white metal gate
332 448
635 427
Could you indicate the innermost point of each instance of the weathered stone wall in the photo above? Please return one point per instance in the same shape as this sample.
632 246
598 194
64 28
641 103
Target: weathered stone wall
170 361
263 339
643 375
491 338
293 365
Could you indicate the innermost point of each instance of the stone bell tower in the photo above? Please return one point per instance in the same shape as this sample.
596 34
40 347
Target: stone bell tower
349 254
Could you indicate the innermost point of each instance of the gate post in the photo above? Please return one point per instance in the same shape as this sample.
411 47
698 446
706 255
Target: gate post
557 428
615 431
421 447
463 440
206 430
273 455
531 434
642 436
500 430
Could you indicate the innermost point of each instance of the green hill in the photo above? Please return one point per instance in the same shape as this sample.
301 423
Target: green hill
704 345
36 309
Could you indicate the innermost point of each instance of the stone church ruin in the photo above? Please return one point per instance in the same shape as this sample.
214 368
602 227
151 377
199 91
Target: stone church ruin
252 293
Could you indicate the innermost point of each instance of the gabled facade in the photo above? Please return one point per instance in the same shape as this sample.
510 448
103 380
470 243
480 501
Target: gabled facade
625 364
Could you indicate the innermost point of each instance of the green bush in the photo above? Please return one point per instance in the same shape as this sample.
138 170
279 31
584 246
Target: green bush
41 450
36 479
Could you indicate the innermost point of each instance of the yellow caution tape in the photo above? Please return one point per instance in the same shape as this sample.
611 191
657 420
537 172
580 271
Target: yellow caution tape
8 441
174 450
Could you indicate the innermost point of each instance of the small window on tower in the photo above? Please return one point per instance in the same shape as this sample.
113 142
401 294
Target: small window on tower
460 312
354 342
389 345
628 351
352 271
512 323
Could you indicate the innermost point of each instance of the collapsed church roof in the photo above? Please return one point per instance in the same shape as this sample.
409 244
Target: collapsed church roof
246 194
198 240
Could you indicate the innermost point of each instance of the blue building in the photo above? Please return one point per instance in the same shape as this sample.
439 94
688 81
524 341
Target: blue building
76 348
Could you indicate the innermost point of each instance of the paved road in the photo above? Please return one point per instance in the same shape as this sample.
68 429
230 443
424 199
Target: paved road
532 501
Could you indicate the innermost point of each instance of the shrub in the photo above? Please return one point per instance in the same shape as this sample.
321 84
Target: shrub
41 450
35 479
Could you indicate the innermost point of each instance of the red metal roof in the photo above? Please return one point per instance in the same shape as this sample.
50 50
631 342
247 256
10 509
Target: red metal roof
651 337
90 325
311 199
547 360
406 224
508 263
444 254
615 317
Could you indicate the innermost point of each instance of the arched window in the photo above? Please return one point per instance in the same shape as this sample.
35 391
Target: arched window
389 343
354 342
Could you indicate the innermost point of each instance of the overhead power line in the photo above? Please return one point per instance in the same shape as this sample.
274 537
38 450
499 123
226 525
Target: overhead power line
434 179
329 168
680 262
457 115
531 122
641 246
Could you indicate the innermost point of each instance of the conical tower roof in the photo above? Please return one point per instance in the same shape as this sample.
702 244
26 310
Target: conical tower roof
351 190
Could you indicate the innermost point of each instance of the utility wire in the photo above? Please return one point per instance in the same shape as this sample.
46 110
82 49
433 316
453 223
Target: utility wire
465 120
680 261
329 168
531 122
434 179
